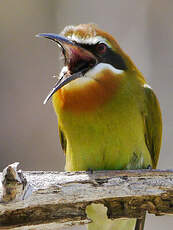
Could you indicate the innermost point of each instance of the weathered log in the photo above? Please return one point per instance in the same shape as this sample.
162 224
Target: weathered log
60 198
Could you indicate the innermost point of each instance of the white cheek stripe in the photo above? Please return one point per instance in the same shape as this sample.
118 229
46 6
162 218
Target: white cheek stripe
100 67
90 40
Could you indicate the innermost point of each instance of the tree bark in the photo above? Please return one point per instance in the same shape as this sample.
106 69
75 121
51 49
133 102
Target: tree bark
58 199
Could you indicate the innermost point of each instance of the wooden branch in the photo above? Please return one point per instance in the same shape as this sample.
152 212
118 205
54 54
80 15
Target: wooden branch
59 199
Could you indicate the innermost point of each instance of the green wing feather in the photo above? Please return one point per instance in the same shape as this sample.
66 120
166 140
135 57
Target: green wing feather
152 124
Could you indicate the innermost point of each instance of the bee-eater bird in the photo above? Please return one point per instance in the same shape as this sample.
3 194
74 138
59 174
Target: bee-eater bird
108 116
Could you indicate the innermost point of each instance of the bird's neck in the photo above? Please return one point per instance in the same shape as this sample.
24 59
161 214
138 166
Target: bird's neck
88 93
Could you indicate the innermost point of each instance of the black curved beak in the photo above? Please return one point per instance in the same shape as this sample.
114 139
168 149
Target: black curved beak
77 59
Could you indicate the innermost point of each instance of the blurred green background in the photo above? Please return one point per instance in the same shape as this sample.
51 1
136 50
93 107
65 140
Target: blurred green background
28 132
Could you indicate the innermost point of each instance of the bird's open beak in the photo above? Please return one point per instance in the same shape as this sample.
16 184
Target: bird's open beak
77 60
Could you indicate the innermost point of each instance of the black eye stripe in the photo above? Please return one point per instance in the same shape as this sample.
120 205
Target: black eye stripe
109 57
114 59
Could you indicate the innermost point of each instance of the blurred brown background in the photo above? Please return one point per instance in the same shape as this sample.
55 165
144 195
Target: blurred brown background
28 132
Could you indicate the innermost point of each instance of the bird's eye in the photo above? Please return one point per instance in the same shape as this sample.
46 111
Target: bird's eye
101 48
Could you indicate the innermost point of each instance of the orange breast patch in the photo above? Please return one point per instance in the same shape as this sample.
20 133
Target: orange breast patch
87 94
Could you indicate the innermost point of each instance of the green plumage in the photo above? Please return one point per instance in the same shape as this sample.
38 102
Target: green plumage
125 133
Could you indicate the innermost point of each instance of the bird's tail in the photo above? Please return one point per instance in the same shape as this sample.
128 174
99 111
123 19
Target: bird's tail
98 214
